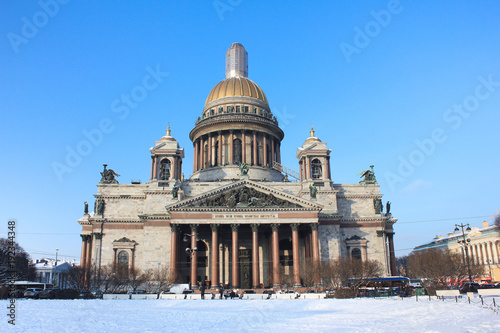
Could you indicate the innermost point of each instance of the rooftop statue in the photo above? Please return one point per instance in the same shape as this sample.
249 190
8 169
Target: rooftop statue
312 191
243 169
175 191
108 176
369 176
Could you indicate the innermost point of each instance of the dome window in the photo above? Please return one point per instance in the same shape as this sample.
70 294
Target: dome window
254 110
238 108
221 109
245 109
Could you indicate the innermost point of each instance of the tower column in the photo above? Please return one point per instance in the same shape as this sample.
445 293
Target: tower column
255 256
173 173
173 251
219 151
194 255
276 255
272 151
255 148
234 253
209 151
152 166
243 147
296 258
155 172
195 155
201 165
278 152
215 256
264 142
231 139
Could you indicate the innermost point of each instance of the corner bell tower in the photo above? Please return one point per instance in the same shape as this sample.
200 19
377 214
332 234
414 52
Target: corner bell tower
166 160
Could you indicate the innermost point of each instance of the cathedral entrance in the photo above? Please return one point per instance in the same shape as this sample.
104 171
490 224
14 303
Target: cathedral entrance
245 269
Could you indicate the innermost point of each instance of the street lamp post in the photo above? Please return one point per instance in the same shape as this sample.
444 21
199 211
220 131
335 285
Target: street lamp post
464 242
190 251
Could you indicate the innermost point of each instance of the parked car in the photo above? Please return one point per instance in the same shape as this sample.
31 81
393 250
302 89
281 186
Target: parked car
469 287
86 295
98 293
18 293
45 294
32 292
486 286
136 292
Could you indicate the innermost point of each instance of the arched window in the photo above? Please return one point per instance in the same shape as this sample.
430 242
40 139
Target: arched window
122 261
316 169
164 169
356 253
237 151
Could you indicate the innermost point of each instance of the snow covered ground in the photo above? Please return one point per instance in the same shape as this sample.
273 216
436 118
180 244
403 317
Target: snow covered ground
326 315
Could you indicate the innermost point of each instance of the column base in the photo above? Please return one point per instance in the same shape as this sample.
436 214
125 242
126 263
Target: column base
297 286
255 287
276 286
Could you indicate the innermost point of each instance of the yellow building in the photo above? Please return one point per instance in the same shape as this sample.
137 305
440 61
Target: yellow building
482 247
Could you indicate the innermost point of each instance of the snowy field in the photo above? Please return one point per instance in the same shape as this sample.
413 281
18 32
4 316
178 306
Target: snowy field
328 315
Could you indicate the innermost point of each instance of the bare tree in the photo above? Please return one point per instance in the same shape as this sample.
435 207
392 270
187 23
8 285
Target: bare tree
441 267
310 273
160 280
23 270
137 277
337 272
77 278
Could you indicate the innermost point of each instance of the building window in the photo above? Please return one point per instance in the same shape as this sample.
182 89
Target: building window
164 169
356 253
221 109
254 110
245 109
122 263
237 151
238 108
316 169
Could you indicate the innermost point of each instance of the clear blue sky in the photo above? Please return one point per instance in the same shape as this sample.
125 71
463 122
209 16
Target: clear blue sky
412 87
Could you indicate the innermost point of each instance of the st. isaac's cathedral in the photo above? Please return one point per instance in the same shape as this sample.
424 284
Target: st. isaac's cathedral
241 219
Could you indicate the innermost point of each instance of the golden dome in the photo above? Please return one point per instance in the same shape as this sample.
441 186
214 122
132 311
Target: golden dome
168 136
236 86
312 138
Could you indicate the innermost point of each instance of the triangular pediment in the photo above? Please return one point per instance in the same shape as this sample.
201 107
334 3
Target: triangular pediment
244 195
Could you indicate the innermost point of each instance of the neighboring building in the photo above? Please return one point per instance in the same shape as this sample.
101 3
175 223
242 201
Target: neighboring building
250 218
48 271
483 248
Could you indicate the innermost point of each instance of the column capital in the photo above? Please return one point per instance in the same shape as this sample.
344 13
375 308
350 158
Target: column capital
275 226
235 226
295 226
214 227
219 132
243 130
98 235
255 227
231 131
194 227
314 226
174 227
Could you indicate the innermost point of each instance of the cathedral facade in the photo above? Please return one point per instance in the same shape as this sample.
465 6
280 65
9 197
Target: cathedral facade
241 219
